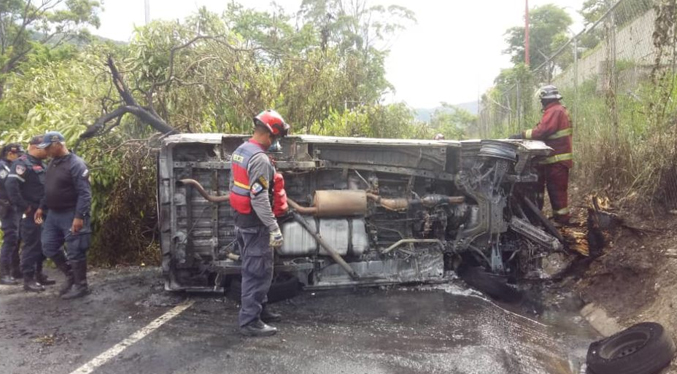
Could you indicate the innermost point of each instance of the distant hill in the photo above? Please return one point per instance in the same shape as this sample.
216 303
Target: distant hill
424 114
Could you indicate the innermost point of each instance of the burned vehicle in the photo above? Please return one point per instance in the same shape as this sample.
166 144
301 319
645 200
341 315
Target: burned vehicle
363 211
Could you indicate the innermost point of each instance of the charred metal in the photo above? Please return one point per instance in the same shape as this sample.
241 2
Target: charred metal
365 211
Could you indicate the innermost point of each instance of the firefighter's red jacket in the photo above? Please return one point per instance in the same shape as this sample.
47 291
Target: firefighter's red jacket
556 131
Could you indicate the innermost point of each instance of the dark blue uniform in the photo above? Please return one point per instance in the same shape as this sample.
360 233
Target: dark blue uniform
250 190
67 196
9 253
26 187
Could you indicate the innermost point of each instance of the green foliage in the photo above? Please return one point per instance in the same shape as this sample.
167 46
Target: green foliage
511 101
453 122
624 133
546 25
374 121
26 26
355 25
207 73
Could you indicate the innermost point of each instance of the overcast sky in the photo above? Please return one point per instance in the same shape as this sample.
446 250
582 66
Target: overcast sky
451 54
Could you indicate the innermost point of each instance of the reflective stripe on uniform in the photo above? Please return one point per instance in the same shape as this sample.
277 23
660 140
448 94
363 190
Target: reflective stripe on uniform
240 198
17 177
561 134
557 158
241 185
561 212
527 134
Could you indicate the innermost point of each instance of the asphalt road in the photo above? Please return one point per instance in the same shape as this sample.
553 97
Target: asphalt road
441 329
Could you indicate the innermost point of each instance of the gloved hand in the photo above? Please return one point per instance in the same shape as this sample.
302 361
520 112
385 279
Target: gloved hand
516 136
276 238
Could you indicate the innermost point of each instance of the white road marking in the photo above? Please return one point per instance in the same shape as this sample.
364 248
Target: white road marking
118 348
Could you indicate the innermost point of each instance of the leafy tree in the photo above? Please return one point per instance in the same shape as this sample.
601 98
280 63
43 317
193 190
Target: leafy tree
361 34
453 122
547 24
355 24
374 121
208 73
26 25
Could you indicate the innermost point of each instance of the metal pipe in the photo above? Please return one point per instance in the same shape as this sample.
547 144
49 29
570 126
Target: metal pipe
390 204
311 211
203 193
401 204
407 241
342 202
546 222
334 255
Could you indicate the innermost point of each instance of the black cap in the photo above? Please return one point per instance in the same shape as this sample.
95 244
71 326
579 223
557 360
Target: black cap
51 137
13 147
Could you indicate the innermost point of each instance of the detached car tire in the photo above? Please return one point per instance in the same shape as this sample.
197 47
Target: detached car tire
644 348
285 286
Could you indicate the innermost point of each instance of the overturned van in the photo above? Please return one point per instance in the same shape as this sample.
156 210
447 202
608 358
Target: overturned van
364 211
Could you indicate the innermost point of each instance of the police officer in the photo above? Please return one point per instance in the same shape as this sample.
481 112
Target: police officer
10 218
257 231
26 186
67 203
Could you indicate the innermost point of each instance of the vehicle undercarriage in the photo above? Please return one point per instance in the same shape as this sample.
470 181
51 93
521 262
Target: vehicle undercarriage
365 211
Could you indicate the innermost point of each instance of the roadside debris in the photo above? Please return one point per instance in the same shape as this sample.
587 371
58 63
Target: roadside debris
645 348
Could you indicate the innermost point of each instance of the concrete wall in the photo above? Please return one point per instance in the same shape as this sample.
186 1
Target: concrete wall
634 42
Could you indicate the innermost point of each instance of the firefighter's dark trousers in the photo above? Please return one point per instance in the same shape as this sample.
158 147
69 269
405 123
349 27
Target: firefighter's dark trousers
257 270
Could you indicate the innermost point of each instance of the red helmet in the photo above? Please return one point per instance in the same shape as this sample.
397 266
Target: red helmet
273 121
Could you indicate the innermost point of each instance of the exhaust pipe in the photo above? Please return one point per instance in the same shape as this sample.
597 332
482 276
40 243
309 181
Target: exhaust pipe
340 203
203 193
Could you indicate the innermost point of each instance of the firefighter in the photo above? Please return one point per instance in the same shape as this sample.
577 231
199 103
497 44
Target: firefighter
556 131
10 218
257 231
439 137
26 186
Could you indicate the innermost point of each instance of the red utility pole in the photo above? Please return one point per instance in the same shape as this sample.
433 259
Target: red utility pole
526 33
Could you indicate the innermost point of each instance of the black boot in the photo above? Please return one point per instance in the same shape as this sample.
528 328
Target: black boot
6 278
16 271
30 285
257 328
43 279
63 265
79 288
267 316
16 265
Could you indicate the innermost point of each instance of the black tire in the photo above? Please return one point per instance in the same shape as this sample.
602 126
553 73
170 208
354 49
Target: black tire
494 286
285 286
644 348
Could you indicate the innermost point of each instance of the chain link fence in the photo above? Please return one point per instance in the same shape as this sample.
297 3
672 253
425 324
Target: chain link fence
617 77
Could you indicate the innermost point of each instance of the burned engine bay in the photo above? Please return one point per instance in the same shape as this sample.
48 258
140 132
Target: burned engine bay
364 211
